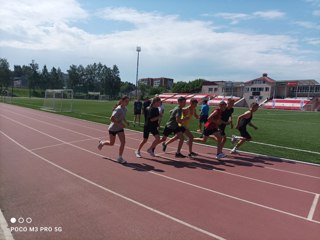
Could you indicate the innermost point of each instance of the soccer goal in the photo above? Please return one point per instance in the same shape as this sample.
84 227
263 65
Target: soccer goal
58 100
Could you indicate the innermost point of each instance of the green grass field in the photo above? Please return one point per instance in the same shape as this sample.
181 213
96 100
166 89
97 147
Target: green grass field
286 134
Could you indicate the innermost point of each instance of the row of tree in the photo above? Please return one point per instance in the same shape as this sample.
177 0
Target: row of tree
92 78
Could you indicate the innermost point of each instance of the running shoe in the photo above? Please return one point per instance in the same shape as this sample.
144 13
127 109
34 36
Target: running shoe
179 155
233 139
138 155
220 155
192 154
164 146
234 151
150 151
121 160
100 145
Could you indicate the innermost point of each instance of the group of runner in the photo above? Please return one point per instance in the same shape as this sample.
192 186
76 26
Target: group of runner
178 125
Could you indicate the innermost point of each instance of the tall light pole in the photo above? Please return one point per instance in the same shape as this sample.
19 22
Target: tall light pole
138 49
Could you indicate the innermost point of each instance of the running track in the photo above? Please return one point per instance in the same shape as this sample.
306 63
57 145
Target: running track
51 172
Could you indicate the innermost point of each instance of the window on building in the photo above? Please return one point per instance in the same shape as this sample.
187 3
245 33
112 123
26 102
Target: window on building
267 89
210 90
215 89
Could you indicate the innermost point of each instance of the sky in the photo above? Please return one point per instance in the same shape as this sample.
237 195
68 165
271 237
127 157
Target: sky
229 40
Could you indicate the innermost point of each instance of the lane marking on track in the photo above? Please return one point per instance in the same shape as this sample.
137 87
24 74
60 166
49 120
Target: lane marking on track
313 207
301 174
5 234
259 143
159 154
164 176
61 144
118 194
130 130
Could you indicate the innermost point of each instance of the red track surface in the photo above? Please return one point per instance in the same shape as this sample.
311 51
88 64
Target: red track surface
52 172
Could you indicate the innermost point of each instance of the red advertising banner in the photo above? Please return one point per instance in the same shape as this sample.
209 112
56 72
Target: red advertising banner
292 84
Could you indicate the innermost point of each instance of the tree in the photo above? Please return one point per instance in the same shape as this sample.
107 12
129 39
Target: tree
74 78
179 87
44 78
17 71
144 90
111 81
34 78
126 88
188 87
56 79
5 73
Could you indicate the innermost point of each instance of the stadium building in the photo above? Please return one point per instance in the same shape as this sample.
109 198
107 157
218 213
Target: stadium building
283 94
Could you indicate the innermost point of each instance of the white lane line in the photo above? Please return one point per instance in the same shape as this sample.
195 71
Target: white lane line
266 144
288 148
60 144
173 179
159 154
135 139
118 194
296 173
313 207
5 234
266 182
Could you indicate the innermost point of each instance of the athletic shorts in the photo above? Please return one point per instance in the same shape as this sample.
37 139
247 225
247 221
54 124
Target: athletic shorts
244 133
147 130
222 127
137 112
209 131
167 131
114 133
203 118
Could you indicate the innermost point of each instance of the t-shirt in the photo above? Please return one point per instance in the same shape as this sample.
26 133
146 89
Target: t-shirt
205 109
186 122
152 113
172 123
214 122
120 114
225 115
145 105
137 105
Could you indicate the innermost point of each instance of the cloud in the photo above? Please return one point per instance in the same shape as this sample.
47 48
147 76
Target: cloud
316 13
308 25
313 41
171 47
238 17
274 14
234 17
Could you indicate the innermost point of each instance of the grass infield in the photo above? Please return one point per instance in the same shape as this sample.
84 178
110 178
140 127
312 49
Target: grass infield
285 134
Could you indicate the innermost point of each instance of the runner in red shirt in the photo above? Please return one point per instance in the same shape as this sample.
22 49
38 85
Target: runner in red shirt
211 128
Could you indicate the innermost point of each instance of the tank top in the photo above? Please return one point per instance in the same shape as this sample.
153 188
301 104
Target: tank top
244 122
186 122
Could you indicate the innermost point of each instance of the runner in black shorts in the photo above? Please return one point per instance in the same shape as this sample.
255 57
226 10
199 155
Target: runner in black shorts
172 126
243 121
151 126
226 119
211 128
118 122
137 107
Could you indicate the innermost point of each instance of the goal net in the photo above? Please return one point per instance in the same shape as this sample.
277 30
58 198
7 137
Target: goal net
58 100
